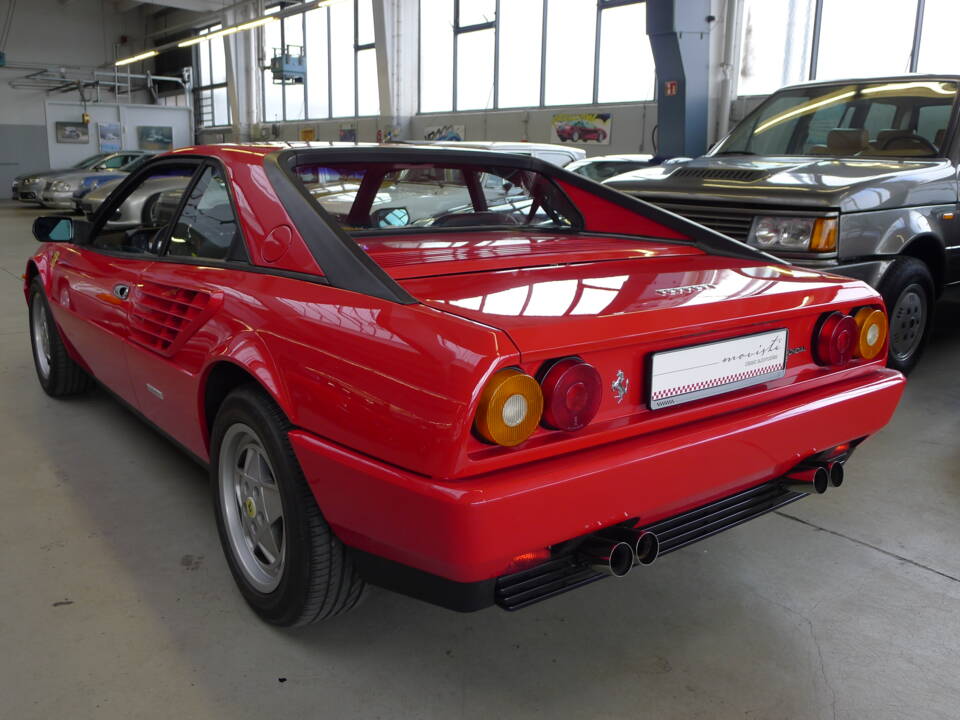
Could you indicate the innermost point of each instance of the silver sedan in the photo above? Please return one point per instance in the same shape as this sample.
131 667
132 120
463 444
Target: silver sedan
140 206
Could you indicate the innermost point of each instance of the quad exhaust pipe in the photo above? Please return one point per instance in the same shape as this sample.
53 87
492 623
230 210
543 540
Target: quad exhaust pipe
614 551
813 479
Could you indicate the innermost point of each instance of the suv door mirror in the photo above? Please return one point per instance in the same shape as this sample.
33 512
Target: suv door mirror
56 228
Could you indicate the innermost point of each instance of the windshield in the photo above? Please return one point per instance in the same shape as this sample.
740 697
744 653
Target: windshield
905 119
90 161
396 196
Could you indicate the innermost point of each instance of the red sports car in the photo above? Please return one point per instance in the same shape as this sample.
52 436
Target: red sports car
578 131
530 384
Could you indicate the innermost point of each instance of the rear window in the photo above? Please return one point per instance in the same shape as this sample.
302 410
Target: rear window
398 196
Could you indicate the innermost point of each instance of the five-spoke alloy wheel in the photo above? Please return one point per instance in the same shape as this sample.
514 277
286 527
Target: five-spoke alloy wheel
288 564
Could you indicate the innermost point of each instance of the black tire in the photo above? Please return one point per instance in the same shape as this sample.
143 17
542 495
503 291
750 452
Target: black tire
908 292
147 218
316 579
58 374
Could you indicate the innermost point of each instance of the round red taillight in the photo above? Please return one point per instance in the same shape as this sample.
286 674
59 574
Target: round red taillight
571 394
836 340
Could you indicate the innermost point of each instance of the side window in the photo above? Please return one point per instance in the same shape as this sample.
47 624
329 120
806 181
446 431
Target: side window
207 227
136 221
932 122
880 116
117 161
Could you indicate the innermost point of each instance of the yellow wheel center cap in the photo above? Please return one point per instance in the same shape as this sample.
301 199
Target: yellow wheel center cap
250 507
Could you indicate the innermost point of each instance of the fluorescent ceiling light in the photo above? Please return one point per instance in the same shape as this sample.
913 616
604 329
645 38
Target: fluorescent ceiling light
227 31
137 58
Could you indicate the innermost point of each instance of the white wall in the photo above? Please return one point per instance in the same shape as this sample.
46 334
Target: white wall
129 117
51 33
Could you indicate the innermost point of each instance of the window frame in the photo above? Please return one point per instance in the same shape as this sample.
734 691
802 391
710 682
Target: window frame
200 163
357 48
458 30
207 47
238 252
812 67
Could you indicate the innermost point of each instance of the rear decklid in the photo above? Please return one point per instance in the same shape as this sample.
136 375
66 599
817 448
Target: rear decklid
649 293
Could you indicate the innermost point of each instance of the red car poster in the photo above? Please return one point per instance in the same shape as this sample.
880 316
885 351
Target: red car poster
581 128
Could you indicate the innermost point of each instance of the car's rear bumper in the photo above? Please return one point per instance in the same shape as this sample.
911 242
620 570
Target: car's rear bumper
468 531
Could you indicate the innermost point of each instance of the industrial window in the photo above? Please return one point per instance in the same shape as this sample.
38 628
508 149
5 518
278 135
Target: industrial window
774 29
938 53
327 66
845 53
835 39
213 110
483 54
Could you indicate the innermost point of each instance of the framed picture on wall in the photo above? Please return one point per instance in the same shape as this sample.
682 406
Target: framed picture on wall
109 134
72 132
155 137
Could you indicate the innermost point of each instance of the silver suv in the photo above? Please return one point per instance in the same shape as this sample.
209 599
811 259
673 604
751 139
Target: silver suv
857 177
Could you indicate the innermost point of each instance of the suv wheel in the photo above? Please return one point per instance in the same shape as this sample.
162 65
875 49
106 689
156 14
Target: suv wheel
907 289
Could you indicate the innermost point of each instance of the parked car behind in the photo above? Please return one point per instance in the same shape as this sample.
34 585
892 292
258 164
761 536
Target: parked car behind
60 190
857 177
537 395
602 167
140 206
551 153
27 187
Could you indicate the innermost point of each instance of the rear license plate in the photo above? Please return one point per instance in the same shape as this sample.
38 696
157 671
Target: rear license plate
700 371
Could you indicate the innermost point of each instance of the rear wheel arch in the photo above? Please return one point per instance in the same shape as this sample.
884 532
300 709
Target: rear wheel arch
31 272
930 251
220 379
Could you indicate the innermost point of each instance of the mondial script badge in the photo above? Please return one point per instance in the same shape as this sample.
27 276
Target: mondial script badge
684 289
619 386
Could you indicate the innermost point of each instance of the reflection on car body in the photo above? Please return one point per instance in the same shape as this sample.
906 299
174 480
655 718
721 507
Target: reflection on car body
475 410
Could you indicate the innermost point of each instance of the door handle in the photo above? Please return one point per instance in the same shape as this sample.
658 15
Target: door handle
121 291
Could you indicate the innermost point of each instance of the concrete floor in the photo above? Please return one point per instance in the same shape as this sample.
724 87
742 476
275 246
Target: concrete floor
115 601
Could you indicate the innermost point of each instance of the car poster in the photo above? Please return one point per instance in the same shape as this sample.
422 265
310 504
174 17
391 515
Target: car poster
590 128
348 133
444 132
73 132
155 137
109 135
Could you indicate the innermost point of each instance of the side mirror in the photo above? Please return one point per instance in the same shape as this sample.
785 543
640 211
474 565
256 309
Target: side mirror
55 228
390 217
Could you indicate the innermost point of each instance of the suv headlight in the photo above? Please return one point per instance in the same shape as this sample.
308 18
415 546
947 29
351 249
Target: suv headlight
794 233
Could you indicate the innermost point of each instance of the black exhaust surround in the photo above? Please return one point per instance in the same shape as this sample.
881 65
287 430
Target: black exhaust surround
570 571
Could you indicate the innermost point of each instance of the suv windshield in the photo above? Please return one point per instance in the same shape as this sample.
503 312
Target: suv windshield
905 119
394 196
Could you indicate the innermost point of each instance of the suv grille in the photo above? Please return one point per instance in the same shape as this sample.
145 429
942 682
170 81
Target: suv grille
719 174
735 222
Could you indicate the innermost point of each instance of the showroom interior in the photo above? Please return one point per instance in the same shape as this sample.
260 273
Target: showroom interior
117 599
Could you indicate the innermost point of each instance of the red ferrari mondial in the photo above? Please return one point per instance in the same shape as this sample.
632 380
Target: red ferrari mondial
469 377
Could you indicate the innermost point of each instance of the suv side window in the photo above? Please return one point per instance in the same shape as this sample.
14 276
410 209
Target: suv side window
137 221
931 119
207 227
